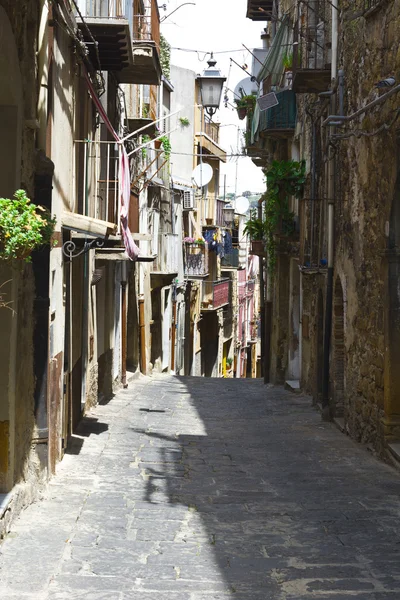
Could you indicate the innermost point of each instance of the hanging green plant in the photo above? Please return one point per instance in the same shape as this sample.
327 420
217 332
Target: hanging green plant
166 144
184 121
248 102
284 179
24 227
145 140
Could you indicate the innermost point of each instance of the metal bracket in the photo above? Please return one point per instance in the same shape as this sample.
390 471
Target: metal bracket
69 248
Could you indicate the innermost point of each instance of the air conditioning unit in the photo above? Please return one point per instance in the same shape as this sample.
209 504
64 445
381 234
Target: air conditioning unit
188 200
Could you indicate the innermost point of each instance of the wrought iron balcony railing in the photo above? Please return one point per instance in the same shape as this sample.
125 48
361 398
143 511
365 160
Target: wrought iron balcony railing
97 192
196 259
215 294
312 53
280 120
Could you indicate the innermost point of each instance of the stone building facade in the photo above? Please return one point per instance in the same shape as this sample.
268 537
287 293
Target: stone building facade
346 289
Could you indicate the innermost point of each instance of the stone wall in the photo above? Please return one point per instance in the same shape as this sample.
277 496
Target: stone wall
366 178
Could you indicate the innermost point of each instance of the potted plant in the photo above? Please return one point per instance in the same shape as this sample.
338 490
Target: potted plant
24 227
184 121
245 104
255 228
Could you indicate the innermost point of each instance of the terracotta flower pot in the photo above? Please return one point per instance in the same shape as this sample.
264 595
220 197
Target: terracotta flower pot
157 144
257 247
242 112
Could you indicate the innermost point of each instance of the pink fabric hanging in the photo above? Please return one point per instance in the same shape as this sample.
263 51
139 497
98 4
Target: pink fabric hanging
131 248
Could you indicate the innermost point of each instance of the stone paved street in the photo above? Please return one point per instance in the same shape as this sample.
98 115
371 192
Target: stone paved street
206 489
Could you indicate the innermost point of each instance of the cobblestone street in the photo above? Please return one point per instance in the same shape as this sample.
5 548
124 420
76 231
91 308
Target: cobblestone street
206 489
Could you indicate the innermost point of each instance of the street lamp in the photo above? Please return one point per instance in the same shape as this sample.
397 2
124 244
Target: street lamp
211 84
229 214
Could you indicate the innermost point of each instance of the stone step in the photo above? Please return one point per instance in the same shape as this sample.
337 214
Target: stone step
293 385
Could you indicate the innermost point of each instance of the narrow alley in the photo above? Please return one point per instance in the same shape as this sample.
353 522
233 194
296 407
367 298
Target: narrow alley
195 489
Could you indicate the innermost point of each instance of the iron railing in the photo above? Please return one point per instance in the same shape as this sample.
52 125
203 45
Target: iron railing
196 259
107 9
312 36
281 117
231 259
97 180
220 217
147 26
212 130
143 26
215 294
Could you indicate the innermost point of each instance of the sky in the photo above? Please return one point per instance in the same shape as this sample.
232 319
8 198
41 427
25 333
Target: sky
218 26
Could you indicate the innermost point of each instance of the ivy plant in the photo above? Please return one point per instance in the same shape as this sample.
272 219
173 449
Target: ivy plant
165 57
166 144
24 227
284 179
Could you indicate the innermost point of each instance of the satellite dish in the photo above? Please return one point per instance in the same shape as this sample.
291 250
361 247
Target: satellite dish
202 174
246 87
242 205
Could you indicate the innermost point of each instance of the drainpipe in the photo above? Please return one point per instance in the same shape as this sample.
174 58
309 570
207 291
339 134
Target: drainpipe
331 220
268 327
173 328
124 323
262 303
142 327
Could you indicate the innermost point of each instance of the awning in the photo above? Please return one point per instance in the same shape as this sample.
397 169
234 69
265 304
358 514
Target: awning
282 44
273 66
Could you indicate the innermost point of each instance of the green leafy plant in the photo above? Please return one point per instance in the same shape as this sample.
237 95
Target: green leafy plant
284 179
166 144
229 362
145 140
288 61
165 57
184 121
255 228
24 227
248 102
145 111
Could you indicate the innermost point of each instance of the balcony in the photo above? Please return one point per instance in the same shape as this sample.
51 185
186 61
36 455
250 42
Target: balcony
231 259
312 47
220 217
196 260
259 10
207 135
167 261
146 43
215 294
96 205
127 43
111 25
280 120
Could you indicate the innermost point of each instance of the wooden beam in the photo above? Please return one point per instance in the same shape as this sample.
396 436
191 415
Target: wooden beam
85 224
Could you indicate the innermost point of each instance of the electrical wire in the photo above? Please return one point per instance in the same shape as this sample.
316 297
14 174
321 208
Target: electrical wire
205 51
